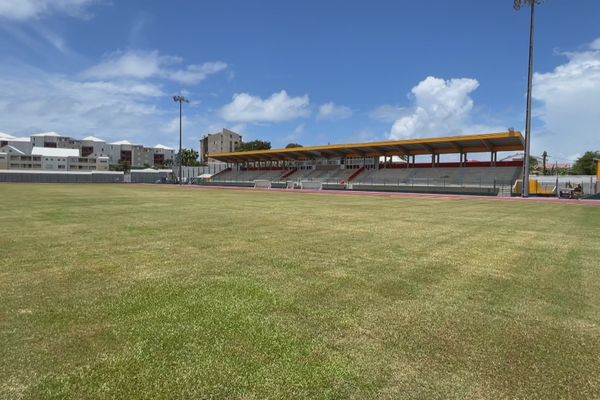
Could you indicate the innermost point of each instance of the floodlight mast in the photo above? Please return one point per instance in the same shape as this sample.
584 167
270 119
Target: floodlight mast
180 100
518 4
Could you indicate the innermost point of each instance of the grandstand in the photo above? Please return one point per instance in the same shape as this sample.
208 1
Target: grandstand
389 166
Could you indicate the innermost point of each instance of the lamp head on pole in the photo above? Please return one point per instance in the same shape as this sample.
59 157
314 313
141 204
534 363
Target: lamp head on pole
518 4
180 99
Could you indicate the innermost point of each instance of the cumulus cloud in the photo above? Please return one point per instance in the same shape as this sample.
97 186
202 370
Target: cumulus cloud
27 9
441 107
567 104
136 64
278 107
333 111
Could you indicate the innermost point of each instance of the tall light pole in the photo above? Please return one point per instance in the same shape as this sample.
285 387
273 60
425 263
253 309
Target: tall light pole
518 4
180 100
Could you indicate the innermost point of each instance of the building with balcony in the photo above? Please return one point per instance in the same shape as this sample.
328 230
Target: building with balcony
225 141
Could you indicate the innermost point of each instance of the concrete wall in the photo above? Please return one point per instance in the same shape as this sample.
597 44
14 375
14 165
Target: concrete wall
144 176
60 177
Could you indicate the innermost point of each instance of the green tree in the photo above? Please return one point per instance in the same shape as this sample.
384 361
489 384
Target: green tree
585 165
533 164
123 166
254 145
293 145
189 158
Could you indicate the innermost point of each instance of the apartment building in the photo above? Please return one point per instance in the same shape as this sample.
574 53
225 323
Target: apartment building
158 155
225 141
55 140
44 151
21 143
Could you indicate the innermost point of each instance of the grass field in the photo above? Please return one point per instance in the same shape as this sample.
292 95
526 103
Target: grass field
113 291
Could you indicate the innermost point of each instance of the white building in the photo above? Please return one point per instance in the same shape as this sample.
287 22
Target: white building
162 154
92 146
53 139
54 158
84 154
21 143
68 160
125 151
139 156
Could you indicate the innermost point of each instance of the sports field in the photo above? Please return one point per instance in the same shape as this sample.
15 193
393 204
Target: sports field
114 291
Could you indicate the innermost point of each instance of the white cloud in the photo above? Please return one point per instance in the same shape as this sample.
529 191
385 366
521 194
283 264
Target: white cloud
333 111
32 100
172 126
278 107
136 64
387 113
27 9
196 73
441 107
568 100
131 64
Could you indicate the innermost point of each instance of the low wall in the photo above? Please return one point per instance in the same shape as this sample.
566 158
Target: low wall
279 185
334 186
61 176
235 184
141 176
479 191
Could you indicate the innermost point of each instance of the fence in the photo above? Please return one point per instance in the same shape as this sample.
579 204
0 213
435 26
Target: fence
588 183
61 176
189 173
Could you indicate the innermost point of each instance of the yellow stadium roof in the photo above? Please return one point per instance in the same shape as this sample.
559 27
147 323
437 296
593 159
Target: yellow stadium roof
506 141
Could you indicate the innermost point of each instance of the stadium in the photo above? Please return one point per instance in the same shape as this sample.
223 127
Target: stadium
372 166
299 200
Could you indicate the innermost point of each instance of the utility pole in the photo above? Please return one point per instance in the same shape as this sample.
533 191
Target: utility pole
517 6
180 100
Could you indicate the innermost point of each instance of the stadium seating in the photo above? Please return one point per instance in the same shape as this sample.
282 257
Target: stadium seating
331 174
250 175
446 174
467 175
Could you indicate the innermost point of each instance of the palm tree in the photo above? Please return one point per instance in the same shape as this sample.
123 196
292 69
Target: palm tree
518 4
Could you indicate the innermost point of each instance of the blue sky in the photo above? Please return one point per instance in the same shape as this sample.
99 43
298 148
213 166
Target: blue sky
312 72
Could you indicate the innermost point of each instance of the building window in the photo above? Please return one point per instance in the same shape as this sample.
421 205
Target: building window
86 150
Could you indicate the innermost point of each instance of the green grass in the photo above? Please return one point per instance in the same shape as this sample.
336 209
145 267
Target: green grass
110 291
